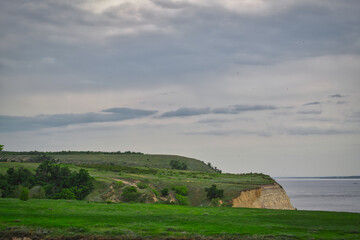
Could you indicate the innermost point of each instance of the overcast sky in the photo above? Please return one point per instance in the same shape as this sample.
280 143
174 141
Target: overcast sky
248 85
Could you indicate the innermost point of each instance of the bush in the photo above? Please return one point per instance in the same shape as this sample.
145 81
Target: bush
118 184
66 193
130 194
24 194
142 185
37 192
215 202
41 158
155 192
182 190
165 192
182 200
213 192
178 165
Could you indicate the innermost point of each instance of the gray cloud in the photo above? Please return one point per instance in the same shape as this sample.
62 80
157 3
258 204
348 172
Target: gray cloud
235 109
314 112
21 123
186 112
318 131
311 103
341 102
146 44
230 132
337 96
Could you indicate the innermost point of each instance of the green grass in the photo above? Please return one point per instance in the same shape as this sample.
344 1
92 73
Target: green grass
131 160
80 218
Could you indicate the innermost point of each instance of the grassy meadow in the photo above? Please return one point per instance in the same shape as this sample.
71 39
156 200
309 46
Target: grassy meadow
66 218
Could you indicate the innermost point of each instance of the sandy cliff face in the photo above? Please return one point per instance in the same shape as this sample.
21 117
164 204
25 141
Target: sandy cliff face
269 196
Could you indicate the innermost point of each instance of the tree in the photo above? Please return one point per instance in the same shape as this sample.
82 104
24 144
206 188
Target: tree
213 192
1 147
24 194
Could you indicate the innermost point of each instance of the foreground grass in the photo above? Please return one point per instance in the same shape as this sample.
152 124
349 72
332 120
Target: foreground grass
63 218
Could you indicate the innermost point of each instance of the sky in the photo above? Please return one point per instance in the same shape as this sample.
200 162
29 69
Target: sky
247 85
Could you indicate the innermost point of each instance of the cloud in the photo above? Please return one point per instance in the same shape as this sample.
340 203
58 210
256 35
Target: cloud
230 133
337 96
341 102
186 112
235 109
311 103
315 112
21 123
138 43
319 131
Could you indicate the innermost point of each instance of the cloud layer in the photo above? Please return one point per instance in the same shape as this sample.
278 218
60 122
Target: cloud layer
232 82
19 123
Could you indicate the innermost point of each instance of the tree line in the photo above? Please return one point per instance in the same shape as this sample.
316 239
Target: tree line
68 152
49 181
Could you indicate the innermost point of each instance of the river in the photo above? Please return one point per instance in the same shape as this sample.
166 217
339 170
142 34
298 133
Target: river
341 195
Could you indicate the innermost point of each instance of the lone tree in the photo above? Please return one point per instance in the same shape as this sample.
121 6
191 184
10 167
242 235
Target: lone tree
213 192
1 147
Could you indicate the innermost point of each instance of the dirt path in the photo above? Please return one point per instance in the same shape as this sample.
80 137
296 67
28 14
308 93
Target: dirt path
126 182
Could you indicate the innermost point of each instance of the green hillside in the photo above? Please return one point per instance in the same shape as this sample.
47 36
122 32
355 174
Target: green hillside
149 174
117 158
156 180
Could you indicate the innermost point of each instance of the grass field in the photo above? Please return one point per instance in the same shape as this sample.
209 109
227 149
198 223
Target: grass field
65 218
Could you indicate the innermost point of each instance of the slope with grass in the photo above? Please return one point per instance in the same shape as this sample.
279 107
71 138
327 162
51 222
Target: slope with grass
123 159
152 174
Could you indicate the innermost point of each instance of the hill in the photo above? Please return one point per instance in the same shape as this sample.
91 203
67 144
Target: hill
153 181
131 159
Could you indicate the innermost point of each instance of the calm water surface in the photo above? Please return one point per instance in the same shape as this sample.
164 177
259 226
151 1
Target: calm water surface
342 195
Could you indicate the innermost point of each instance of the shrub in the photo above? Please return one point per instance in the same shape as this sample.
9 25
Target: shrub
182 200
118 184
66 193
24 194
182 190
142 185
165 192
213 192
130 194
215 202
37 192
155 192
178 165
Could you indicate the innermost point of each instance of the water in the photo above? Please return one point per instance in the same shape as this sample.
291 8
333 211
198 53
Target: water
340 195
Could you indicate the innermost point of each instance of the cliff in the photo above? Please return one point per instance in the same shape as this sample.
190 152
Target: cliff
268 196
